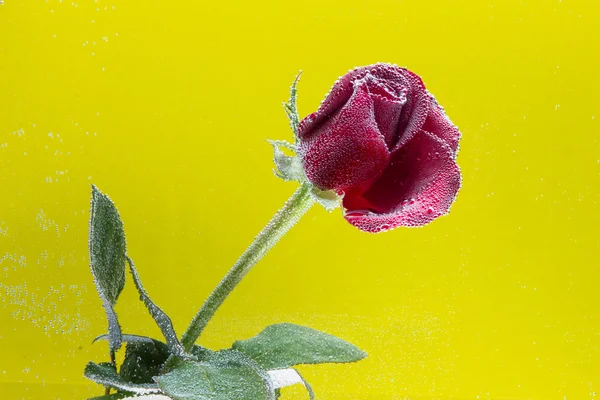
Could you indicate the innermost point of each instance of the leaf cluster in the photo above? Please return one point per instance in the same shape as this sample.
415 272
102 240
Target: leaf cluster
250 369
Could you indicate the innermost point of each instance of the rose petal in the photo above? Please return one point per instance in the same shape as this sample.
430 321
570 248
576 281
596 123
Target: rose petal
389 97
387 114
400 79
339 94
419 185
439 124
388 100
385 88
347 149
414 111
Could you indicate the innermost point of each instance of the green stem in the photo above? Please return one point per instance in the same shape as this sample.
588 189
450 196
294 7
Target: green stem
285 218
113 361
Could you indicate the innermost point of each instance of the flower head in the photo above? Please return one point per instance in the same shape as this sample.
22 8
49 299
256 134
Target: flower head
381 140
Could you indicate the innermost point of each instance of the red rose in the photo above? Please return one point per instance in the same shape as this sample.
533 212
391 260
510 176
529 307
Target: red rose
382 141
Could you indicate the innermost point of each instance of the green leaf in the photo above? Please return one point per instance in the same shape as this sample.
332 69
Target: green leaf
285 345
227 375
143 361
106 375
145 356
107 246
107 258
127 338
202 353
160 317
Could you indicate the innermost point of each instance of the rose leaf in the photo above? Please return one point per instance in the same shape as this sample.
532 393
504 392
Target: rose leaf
226 375
285 345
106 375
107 258
160 317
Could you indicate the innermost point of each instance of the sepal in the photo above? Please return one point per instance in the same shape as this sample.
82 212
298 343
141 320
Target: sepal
327 198
288 168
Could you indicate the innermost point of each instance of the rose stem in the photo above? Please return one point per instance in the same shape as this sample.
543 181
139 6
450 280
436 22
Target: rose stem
113 361
285 218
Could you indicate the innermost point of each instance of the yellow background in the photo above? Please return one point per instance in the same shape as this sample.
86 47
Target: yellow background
166 105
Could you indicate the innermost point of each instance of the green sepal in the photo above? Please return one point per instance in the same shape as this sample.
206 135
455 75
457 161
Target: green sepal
327 198
291 108
288 168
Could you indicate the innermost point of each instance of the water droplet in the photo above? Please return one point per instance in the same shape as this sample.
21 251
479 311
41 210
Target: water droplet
357 213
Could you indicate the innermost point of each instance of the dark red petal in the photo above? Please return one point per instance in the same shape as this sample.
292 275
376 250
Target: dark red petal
414 111
383 71
339 94
343 88
385 88
347 150
440 125
418 186
387 114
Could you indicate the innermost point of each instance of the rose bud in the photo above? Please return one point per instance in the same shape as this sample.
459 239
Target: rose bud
382 141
